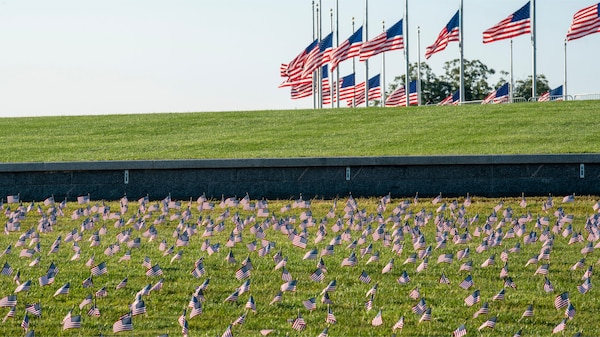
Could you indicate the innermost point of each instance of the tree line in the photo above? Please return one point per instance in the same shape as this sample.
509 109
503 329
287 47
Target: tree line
435 88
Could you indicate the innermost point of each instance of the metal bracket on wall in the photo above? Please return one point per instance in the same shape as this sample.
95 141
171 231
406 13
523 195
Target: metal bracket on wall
581 171
126 177
347 172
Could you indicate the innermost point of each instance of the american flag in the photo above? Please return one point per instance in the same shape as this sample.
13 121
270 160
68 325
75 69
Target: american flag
391 39
586 21
240 320
242 273
528 312
7 269
299 323
227 332
347 87
467 282
324 333
404 278
377 320
251 304
499 296
490 323
34 309
348 49
570 311
25 322
560 327
460 331
398 97
484 310
374 91
518 23
123 324
319 56
450 33
330 318
561 300
364 277
452 99
498 96
426 316
100 269
64 290
154 271
472 299
310 304
399 324
420 307
555 94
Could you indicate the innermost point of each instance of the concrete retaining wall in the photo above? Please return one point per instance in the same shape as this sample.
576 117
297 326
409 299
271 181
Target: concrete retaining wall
272 178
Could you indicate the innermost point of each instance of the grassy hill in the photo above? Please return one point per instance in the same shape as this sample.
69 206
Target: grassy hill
557 127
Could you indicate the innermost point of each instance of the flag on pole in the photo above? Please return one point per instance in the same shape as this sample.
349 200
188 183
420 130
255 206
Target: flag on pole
497 96
453 99
398 97
518 23
450 33
347 87
374 91
391 39
348 49
319 56
555 94
585 22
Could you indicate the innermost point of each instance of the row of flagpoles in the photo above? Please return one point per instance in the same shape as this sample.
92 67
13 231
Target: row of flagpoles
311 72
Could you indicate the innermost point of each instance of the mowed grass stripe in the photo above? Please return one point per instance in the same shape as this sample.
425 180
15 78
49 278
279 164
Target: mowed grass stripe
527 128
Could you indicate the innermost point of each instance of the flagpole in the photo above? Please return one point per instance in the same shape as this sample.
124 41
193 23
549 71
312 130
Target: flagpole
419 64
337 44
407 84
330 75
462 56
382 82
565 77
314 37
533 47
320 69
512 82
354 72
366 38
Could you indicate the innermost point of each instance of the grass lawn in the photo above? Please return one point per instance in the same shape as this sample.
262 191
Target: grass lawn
526 128
348 225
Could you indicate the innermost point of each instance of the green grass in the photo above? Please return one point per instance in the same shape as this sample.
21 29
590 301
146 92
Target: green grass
527 128
164 306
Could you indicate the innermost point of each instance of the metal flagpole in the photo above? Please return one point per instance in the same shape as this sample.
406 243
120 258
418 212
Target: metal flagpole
512 82
353 71
565 79
330 77
407 84
419 64
462 54
533 50
366 38
337 44
314 37
382 78
320 69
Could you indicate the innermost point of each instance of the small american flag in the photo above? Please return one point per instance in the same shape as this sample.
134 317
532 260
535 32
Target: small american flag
377 320
399 324
460 331
560 327
562 300
472 299
490 323
528 312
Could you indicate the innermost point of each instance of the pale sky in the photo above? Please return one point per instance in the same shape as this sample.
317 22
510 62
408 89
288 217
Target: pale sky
84 57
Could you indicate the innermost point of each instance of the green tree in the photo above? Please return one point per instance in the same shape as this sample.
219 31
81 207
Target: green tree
435 88
476 78
523 87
